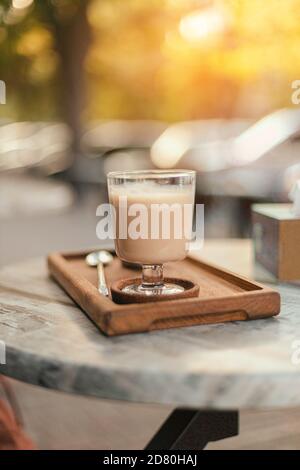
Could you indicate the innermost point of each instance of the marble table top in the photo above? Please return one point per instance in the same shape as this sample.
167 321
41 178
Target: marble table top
51 343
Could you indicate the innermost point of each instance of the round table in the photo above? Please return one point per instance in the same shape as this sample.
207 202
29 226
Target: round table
50 342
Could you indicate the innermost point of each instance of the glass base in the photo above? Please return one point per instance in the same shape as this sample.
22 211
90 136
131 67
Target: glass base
164 289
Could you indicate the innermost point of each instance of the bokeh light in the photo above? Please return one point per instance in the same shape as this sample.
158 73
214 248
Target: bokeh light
202 24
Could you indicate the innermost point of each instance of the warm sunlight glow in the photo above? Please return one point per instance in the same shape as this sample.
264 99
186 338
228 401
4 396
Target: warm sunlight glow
19 4
190 60
201 24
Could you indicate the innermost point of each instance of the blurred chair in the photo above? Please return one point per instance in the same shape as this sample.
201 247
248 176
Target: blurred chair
291 176
12 434
118 145
234 158
237 162
44 147
30 152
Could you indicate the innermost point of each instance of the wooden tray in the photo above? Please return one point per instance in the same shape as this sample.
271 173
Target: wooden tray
223 296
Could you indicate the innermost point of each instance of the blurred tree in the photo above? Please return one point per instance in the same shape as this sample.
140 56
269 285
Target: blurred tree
157 59
43 48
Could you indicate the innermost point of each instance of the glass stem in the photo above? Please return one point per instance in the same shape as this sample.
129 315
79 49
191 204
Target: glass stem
152 276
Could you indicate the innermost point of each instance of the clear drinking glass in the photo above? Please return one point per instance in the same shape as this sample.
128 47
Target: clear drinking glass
153 216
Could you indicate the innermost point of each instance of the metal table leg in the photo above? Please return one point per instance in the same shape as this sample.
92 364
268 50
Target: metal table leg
192 429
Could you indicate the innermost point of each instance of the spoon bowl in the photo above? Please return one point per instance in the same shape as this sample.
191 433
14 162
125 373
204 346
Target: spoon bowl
99 259
96 257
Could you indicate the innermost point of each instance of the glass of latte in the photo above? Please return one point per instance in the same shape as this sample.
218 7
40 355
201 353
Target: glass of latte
153 218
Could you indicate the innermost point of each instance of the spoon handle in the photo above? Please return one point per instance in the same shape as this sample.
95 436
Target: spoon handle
102 287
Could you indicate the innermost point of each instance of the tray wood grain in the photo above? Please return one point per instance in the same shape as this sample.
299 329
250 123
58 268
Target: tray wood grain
224 296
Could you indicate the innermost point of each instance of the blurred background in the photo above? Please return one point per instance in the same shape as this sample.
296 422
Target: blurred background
100 85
